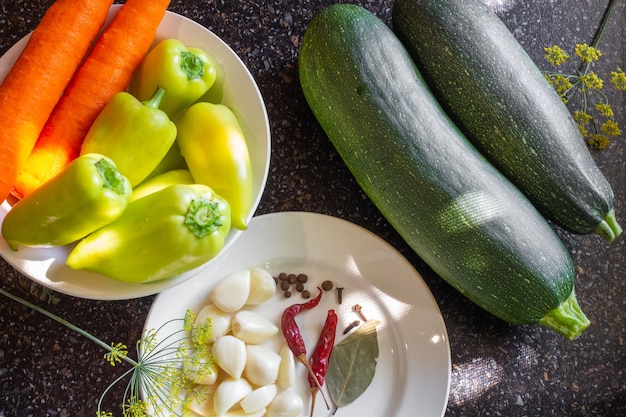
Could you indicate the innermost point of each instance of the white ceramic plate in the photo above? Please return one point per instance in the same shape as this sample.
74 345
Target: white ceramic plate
413 371
47 266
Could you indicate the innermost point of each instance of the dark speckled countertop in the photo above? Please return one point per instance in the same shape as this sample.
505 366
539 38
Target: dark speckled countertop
497 369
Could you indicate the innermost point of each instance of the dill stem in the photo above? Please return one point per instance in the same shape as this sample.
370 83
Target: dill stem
66 324
601 29
605 19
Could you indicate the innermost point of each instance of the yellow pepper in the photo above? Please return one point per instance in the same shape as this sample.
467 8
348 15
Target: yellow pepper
214 147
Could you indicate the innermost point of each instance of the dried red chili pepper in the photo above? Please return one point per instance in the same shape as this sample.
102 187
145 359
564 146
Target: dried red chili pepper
292 334
290 329
321 355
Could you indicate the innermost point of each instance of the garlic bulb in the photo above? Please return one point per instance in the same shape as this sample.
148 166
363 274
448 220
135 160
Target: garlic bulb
252 327
220 321
258 399
230 355
262 286
287 369
261 365
231 292
286 404
228 393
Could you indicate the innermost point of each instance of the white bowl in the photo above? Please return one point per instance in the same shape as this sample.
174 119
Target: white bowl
46 266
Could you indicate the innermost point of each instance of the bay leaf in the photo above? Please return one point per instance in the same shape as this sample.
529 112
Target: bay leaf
353 364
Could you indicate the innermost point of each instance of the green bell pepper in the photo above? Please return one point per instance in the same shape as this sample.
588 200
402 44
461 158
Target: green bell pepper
216 152
87 194
185 73
163 234
136 135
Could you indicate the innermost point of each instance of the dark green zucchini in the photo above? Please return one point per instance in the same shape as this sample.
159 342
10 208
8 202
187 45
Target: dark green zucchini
500 99
460 215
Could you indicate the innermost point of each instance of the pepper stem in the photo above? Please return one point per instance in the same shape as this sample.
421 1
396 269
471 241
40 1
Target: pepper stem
314 392
192 65
302 359
111 177
567 319
203 217
155 100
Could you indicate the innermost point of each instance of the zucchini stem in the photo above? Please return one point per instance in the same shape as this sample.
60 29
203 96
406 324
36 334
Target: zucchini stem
608 228
567 319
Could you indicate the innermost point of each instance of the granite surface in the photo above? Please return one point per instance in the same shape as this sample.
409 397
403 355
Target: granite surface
497 369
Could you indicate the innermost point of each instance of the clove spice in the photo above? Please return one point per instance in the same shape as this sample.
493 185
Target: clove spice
351 326
339 295
359 311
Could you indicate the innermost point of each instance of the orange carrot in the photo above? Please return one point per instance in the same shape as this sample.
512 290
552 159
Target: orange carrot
42 71
106 71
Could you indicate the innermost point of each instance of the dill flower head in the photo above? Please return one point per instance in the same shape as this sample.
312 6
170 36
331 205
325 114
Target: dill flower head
583 87
555 55
618 79
587 53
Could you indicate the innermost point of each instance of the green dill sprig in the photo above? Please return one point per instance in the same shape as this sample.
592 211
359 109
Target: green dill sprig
157 383
595 116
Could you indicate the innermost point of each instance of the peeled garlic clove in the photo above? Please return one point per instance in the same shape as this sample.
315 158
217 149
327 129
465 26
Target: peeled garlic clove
231 292
252 327
241 413
199 367
258 399
286 404
230 354
262 286
201 400
261 365
228 393
220 321
287 369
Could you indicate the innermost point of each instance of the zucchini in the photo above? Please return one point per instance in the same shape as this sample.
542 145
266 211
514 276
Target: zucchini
501 101
471 225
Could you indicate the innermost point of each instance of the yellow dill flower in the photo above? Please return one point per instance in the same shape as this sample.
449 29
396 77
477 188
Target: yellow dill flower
583 130
203 333
611 128
190 318
555 55
618 79
587 53
548 78
104 414
134 408
598 141
148 342
562 84
582 117
117 353
605 109
592 81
